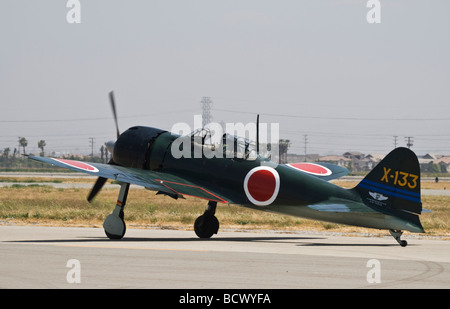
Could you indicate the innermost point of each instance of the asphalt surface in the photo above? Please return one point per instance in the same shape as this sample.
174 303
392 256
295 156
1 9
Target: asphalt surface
70 257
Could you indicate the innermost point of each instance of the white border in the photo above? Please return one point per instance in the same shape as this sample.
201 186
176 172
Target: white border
82 169
328 173
275 192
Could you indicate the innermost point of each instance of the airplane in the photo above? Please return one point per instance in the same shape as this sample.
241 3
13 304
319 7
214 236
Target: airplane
388 198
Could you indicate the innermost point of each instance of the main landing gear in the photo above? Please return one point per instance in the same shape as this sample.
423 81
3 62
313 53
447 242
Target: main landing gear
207 224
114 224
397 234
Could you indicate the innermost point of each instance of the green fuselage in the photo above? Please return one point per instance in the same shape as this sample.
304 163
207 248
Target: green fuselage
297 190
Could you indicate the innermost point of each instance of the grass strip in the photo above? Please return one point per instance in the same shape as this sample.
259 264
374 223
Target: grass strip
68 207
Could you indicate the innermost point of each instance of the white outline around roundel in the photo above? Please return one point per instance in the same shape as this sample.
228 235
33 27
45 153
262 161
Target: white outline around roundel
95 170
275 192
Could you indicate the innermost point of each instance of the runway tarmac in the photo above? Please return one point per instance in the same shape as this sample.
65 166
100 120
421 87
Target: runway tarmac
70 257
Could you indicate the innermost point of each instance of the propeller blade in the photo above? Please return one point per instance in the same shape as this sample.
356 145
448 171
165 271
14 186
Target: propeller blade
97 187
113 106
110 146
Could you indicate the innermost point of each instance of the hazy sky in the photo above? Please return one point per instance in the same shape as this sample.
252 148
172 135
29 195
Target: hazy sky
315 67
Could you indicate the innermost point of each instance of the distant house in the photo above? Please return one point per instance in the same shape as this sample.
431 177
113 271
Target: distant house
432 156
354 155
425 161
444 160
338 160
375 157
355 161
444 164
434 163
362 165
372 160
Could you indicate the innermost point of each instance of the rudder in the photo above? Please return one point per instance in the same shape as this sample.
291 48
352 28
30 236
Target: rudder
394 182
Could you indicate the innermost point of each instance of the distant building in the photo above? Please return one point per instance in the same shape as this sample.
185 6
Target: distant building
338 160
355 161
441 164
354 155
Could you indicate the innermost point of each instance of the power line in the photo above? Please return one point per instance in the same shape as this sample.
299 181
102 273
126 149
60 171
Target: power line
335 117
96 118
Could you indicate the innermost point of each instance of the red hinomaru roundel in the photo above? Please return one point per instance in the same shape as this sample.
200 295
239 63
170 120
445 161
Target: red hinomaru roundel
79 165
311 168
261 185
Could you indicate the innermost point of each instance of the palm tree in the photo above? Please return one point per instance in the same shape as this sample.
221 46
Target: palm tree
23 143
283 149
102 154
41 145
6 152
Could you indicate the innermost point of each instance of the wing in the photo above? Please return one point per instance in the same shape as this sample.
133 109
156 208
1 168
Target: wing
325 171
164 183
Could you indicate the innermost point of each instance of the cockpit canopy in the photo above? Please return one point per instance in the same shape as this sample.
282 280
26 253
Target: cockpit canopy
229 146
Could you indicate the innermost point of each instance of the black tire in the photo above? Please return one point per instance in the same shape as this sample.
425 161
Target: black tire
206 226
115 237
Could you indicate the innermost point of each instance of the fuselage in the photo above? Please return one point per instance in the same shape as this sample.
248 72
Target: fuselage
250 181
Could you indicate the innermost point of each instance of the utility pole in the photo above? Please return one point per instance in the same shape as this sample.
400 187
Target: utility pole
409 141
306 142
91 141
206 104
18 148
395 141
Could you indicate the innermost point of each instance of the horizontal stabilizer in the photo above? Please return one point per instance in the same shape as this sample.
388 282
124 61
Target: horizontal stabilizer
338 205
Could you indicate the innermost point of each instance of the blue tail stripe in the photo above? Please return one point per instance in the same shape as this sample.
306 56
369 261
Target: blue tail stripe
396 194
376 184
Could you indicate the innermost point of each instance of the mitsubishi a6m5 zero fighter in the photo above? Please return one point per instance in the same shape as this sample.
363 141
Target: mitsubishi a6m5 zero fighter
387 198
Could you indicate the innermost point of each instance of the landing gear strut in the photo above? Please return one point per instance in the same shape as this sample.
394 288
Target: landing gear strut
207 224
114 224
397 234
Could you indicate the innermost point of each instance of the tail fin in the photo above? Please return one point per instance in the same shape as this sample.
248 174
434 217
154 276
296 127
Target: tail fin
394 182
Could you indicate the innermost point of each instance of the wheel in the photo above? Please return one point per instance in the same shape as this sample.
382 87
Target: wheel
397 235
114 226
206 226
115 237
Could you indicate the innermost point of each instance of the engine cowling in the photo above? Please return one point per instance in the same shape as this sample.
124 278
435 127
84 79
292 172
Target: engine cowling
133 146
